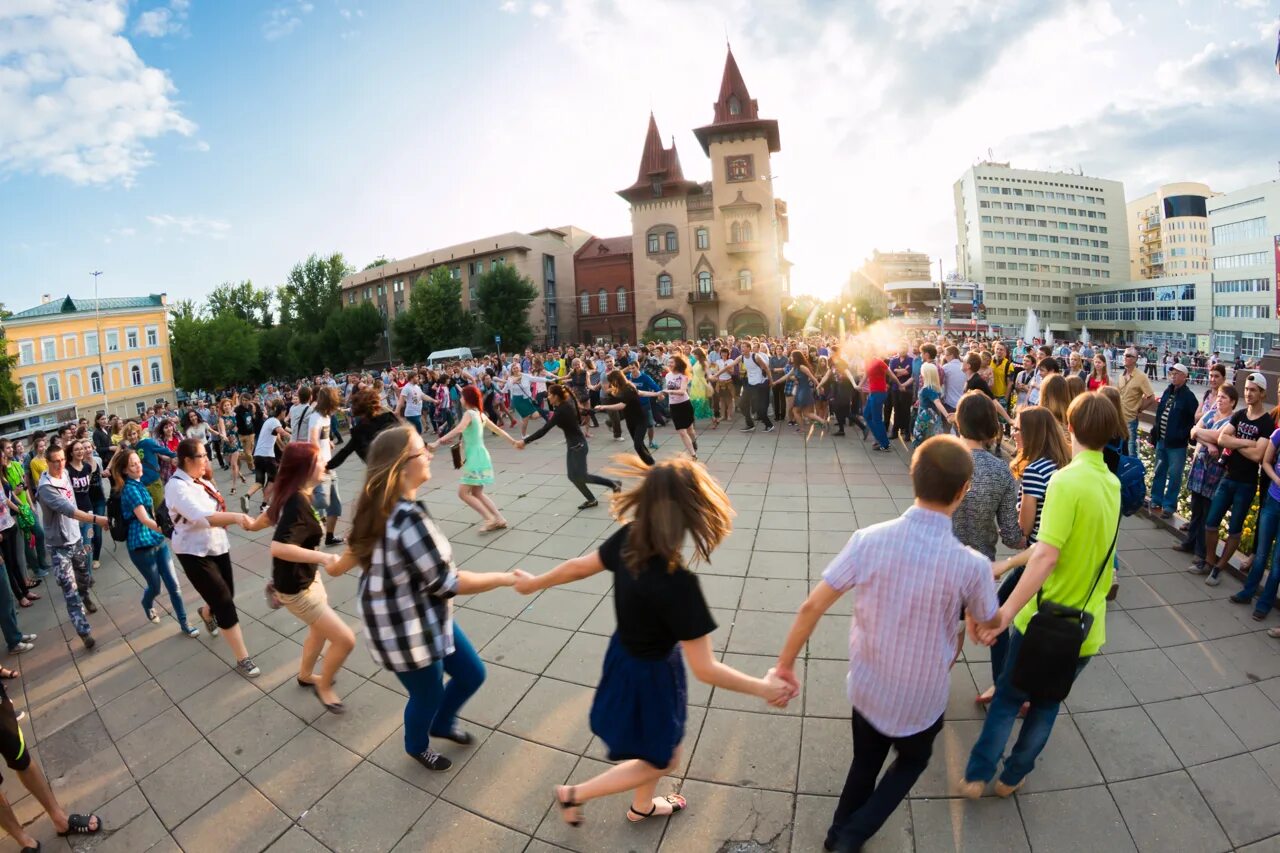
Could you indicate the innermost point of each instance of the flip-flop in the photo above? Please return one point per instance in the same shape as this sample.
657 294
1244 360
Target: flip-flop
677 802
78 824
566 805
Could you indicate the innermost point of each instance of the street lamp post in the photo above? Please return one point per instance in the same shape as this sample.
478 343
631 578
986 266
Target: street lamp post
97 317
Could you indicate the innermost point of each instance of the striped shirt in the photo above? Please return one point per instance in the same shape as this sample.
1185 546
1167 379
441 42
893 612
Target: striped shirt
405 595
1035 482
912 576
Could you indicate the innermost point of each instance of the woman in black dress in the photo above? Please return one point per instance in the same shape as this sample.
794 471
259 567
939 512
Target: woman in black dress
371 419
640 706
565 415
633 413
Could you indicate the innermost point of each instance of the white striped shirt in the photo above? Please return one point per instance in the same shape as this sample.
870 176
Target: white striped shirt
912 576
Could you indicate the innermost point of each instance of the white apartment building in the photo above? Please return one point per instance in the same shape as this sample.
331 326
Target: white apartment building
1030 238
1244 226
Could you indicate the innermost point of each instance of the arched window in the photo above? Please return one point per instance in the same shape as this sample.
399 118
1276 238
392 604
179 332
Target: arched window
735 233
744 280
746 232
706 330
155 372
603 298
667 328
622 299
586 303
95 382
704 239
135 374
704 282
51 386
664 285
671 241
32 393
735 106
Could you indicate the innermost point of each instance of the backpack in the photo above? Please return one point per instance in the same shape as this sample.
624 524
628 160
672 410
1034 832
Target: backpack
1133 479
117 525
300 428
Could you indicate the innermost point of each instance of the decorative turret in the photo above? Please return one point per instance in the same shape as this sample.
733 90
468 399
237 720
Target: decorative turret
736 112
660 174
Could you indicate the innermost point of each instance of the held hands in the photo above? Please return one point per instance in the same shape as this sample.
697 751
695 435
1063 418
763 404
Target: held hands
246 521
523 582
520 444
987 635
781 686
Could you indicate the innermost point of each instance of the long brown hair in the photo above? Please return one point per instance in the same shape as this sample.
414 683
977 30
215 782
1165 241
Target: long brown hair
1056 396
674 499
1042 438
388 454
119 462
296 465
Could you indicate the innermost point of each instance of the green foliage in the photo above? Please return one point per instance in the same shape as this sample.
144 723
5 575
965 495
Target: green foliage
243 300
312 291
213 352
10 393
381 259
351 336
503 297
434 320
274 357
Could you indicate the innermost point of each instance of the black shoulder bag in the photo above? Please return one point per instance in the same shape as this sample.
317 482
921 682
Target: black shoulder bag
1046 664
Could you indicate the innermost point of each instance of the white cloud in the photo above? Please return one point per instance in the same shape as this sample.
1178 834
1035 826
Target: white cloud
510 6
284 19
540 10
163 20
191 226
119 234
198 145
77 100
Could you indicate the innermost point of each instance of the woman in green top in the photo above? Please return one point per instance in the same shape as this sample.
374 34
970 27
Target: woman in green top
477 469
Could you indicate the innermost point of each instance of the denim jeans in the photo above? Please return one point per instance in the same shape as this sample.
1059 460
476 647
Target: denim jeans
873 413
433 705
1167 480
8 614
1133 437
1268 524
416 420
1195 533
155 566
1000 648
1231 495
38 559
1001 715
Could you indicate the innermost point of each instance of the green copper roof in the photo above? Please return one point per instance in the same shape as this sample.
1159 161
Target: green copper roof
87 306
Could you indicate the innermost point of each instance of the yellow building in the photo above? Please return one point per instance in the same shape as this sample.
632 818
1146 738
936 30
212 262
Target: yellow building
110 355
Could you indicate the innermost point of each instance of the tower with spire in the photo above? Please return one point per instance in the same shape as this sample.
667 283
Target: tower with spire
708 255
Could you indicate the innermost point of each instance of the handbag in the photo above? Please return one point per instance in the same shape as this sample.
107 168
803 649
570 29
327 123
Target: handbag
455 450
1046 665
273 598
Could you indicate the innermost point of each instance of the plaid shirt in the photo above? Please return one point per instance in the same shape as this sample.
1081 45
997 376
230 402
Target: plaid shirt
140 536
404 596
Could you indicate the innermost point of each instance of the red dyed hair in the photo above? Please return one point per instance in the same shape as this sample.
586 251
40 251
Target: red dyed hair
471 396
296 465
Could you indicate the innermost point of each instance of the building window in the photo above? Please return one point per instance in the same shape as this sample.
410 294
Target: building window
746 232
26 352
664 285
704 282
744 280
1231 262
653 244
51 386
48 350
735 106
671 241
90 343
95 382
113 341
704 238
1235 232
603 299
156 377
656 185
667 328
32 393
735 233
153 336
586 303
622 299
131 338
135 374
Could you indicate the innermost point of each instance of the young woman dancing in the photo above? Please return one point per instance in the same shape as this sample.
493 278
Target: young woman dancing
566 416
676 386
631 406
477 469
663 619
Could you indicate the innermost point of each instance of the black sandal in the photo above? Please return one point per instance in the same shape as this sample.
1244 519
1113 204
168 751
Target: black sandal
677 803
78 824
565 805
9 674
35 849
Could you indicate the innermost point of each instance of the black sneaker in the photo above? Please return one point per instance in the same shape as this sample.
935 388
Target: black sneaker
457 736
432 760
589 504
769 428
748 429
89 641
244 504
333 540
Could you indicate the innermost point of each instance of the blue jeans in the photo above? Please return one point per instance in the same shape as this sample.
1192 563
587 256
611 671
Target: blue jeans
873 414
37 556
1235 496
1133 437
1000 648
416 420
155 566
8 613
1001 714
433 705
1268 523
1166 483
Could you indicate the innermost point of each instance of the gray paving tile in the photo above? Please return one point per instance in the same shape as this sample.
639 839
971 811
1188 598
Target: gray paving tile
181 787
1125 743
553 713
718 823
1206 667
757 633
373 712
525 646
1053 821
214 704
826 750
1066 761
606 826
1150 675
368 810
581 659
239 818
1166 625
1194 730
813 816
528 772
156 741
728 750
961 826
450 828
1250 714
253 734
296 840
125 713
1167 812
1241 796
302 771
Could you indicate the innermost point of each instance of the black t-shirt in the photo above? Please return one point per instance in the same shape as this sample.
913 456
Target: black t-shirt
633 409
977 383
81 480
656 608
244 419
298 525
1238 468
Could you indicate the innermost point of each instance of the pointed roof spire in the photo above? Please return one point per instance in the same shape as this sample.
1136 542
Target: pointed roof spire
736 109
653 157
659 167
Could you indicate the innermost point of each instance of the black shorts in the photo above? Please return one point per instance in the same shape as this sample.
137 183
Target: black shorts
12 744
264 469
682 414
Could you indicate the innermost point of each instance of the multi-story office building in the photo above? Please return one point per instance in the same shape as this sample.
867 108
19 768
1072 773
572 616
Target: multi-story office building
545 257
708 256
606 291
109 355
1169 231
1028 238
1174 312
1244 227
885 267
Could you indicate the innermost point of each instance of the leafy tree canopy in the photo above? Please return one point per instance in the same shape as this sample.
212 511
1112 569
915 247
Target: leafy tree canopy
435 318
312 291
243 300
503 297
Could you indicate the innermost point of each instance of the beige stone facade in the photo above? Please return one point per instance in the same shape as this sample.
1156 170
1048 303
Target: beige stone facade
1169 231
708 256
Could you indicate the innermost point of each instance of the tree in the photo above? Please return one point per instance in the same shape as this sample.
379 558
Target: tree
214 352
381 259
435 319
10 394
312 291
185 309
503 297
352 335
243 300
275 357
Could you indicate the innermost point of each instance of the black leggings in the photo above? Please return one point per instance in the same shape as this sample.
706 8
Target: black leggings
780 401
211 576
578 473
638 429
15 561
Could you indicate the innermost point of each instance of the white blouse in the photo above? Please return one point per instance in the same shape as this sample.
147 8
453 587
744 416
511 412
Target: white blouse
190 506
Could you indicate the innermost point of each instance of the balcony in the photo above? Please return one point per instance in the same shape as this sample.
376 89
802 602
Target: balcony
742 247
704 297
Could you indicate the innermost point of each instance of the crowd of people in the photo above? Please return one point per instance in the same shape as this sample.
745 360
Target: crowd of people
1011 442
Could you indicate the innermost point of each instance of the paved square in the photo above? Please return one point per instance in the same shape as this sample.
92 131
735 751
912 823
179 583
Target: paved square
1170 742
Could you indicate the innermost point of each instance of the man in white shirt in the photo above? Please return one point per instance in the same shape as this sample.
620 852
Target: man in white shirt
953 380
299 412
411 402
264 455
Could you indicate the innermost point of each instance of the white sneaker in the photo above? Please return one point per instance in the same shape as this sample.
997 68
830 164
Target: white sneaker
1212 579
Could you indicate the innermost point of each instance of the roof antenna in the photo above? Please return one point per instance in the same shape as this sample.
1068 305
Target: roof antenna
727 45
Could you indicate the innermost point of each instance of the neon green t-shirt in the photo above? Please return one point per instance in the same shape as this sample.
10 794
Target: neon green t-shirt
1081 510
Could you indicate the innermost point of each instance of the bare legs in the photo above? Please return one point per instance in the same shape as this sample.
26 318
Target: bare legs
33 780
688 436
233 635
474 497
639 777
331 629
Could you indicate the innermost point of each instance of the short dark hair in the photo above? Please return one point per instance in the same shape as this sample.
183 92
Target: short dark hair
976 417
931 351
940 468
1050 364
1094 420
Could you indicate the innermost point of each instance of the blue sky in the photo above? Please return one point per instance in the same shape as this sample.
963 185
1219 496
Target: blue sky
179 144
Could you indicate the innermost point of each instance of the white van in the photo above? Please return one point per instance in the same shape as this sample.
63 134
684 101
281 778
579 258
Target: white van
443 355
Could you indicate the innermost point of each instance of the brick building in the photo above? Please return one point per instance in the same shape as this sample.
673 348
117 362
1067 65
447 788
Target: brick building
602 275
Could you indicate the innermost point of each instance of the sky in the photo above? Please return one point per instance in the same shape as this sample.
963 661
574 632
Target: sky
178 144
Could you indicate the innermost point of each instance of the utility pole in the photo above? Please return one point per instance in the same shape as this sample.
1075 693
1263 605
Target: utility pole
97 315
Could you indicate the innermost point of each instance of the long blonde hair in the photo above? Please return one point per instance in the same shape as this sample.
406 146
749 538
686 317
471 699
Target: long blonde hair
389 453
929 376
674 499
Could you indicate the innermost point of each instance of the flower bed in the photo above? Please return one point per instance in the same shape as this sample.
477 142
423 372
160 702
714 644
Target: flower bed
1147 454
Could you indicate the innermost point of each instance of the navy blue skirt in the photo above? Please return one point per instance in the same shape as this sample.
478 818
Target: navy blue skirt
640 706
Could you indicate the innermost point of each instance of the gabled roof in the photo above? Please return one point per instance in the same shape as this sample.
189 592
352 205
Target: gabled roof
605 246
736 111
88 306
657 164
